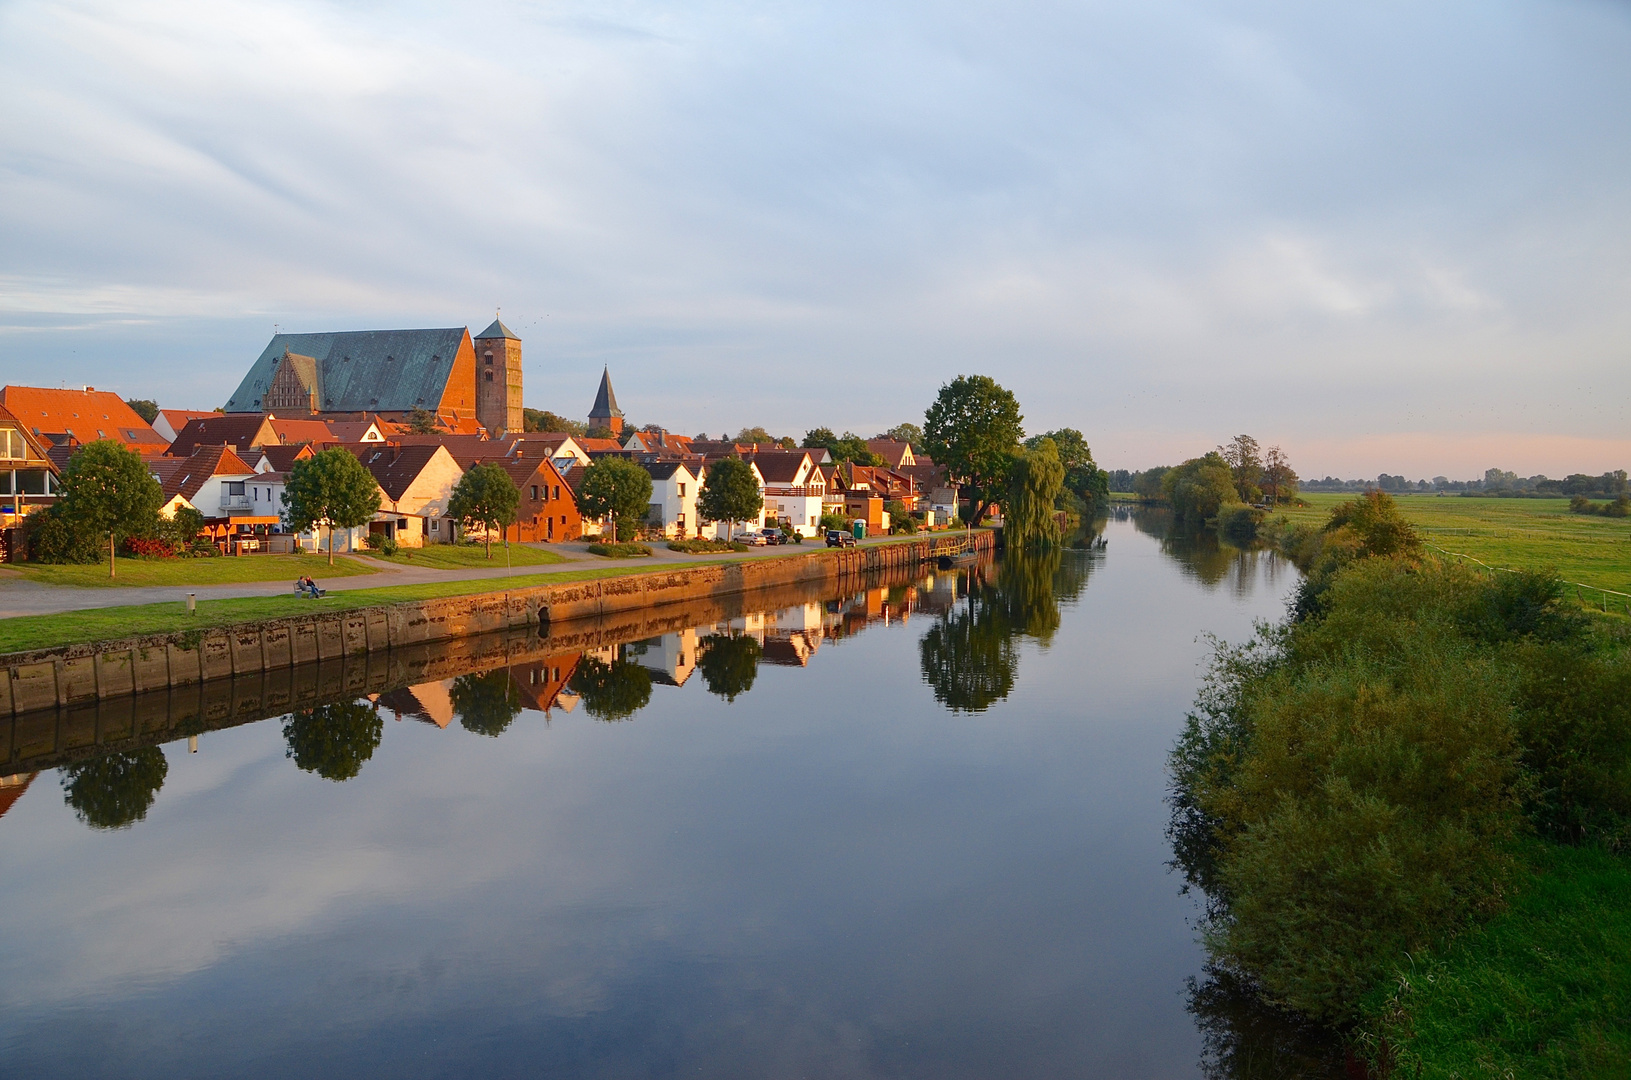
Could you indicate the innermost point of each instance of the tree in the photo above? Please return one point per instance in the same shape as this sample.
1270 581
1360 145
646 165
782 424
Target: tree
116 790
1035 481
334 741
487 704
972 431
846 447
1245 466
424 422
730 493
486 496
906 433
729 663
755 435
535 420
1149 483
330 488
108 492
1083 478
618 489
614 691
143 407
1198 488
1279 480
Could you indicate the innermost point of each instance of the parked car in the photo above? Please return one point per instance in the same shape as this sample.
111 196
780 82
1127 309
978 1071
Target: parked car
750 537
839 538
773 536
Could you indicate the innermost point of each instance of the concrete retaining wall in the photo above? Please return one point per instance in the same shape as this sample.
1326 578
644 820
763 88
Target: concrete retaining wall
73 674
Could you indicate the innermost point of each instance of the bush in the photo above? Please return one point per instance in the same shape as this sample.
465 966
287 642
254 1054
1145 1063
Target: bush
834 521
1238 524
700 546
53 539
619 551
374 541
149 547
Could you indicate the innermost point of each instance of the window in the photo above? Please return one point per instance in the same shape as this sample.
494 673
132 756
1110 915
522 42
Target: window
535 493
434 523
682 491
235 487
558 494
489 376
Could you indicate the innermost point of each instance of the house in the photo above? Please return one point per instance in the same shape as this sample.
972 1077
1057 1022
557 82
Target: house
319 433
415 484
935 490
170 421
673 507
28 481
279 458
244 432
894 453
391 373
605 413
793 488
359 431
670 658
215 481
659 442
548 511
724 530
69 417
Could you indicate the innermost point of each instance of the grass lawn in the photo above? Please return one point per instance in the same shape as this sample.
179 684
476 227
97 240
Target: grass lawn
102 624
1516 533
1543 990
226 570
469 556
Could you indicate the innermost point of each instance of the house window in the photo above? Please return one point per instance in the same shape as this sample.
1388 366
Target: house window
558 494
682 491
235 487
433 525
535 493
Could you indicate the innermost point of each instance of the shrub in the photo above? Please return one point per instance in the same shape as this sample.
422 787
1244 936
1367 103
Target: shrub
1238 524
374 541
619 550
149 547
52 538
833 521
700 546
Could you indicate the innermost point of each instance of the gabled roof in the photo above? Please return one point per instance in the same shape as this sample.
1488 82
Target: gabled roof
781 466
598 446
362 369
282 458
35 448
177 418
663 468
894 453
241 431
605 400
355 431
290 432
187 476
464 448
497 330
394 468
87 415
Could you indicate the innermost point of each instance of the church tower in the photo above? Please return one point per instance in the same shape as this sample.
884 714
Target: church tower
498 380
606 414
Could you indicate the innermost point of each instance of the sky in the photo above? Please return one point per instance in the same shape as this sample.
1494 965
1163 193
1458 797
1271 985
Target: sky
1387 237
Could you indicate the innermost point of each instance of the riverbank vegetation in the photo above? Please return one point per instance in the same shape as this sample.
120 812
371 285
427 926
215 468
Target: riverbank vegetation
226 570
468 555
1398 764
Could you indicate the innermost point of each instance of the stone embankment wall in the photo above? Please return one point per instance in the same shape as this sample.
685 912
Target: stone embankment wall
52 678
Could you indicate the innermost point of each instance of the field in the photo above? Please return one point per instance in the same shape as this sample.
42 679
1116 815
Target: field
225 570
469 556
1515 533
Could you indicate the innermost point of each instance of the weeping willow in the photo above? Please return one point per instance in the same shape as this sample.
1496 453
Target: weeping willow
1034 485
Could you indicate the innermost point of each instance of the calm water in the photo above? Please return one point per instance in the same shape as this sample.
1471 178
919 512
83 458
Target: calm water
913 831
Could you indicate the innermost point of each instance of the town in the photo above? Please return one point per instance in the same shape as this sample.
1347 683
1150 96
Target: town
420 410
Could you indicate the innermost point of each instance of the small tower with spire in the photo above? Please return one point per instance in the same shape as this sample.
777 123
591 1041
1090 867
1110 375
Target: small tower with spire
606 414
498 379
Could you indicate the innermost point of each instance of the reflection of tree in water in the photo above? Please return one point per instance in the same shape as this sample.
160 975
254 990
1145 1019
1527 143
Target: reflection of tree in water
729 663
334 741
115 791
614 691
1203 556
1245 1038
969 656
487 703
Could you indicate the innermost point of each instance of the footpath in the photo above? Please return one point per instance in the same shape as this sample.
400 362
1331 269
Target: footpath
22 597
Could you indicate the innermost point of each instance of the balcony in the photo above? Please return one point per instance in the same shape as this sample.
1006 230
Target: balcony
236 503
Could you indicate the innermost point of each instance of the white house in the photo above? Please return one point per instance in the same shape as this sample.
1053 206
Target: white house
673 507
724 530
793 488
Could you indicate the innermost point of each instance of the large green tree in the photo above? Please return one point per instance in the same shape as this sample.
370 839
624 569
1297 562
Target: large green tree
973 430
145 408
108 493
115 790
544 420
1083 478
906 433
1198 488
1035 481
618 489
332 489
334 741
486 496
730 493
1245 460
614 691
846 447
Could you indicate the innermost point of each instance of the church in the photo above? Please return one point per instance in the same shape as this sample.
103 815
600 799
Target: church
469 383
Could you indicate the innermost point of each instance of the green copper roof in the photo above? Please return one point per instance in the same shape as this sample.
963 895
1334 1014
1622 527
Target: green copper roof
498 330
361 370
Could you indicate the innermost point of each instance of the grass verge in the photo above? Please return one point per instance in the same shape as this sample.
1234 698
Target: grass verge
469 556
105 624
1543 990
225 570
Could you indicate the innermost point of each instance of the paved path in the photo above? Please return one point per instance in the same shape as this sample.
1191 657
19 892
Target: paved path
22 597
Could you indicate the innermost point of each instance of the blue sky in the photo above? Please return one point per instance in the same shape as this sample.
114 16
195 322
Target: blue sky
1389 237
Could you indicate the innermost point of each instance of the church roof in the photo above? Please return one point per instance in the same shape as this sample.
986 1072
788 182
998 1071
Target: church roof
362 370
605 399
497 330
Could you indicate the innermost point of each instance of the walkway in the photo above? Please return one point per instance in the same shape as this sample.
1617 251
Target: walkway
22 597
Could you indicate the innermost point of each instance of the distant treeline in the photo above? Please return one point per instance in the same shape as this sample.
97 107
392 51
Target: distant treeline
1496 482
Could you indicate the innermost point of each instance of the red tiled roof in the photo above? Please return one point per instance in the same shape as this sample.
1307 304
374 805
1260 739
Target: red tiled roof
282 458
186 476
36 446
394 468
291 432
241 431
779 466
87 415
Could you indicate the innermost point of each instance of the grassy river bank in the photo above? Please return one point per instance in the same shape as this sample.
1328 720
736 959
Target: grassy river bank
1408 807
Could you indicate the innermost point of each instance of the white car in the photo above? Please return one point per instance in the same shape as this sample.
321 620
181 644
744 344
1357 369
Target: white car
754 538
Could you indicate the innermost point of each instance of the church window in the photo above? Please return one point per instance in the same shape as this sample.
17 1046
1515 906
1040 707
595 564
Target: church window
489 376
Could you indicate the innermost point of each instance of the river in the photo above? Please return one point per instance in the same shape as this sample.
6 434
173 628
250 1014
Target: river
910 831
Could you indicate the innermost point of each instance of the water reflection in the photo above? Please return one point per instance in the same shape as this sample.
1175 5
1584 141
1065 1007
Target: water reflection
1206 558
729 664
334 741
1245 1038
116 791
486 703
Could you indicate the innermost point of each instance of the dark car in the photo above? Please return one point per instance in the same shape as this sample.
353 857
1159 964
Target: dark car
839 538
773 536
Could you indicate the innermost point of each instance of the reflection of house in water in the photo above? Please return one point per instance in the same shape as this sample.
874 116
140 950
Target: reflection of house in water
792 635
12 788
542 682
670 658
431 702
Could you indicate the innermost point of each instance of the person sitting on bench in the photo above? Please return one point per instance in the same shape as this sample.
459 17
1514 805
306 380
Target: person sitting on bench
308 587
